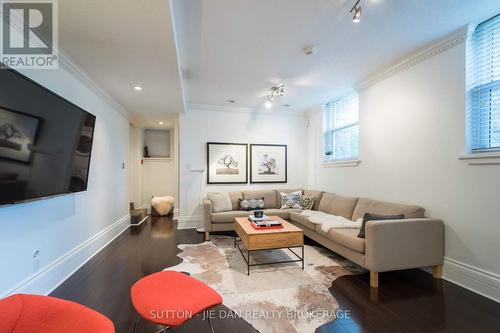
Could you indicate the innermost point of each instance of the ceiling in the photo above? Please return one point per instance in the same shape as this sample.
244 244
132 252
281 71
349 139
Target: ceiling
202 53
124 43
238 49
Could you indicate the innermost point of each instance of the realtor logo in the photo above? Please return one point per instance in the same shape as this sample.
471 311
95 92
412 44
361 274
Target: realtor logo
29 34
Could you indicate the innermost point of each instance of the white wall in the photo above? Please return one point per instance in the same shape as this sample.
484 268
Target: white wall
197 127
412 130
68 229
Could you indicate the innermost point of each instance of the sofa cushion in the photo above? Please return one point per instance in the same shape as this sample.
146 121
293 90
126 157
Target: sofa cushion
297 217
337 205
316 196
221 201
235 199
386 208
268 195
345 237
283 213
228 217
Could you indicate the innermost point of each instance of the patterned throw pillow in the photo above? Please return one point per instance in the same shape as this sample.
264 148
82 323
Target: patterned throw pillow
251 204
291 200
307 202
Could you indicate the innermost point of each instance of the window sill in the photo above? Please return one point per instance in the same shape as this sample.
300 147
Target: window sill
346 163
481 158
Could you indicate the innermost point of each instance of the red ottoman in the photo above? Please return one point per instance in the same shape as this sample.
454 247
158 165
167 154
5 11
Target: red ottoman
171 298
43 314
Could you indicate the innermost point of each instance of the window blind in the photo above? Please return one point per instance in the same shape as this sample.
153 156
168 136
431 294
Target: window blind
341 129
483 86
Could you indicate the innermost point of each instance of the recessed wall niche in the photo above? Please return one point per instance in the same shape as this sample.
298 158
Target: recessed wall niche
157 143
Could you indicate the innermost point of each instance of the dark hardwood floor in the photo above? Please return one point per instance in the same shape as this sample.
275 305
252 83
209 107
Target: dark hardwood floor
104 282
407 301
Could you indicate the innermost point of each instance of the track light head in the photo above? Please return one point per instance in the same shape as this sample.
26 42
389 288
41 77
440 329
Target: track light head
269 103
357 12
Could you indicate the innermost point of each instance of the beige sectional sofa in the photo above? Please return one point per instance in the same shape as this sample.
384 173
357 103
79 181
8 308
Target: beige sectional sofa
416 241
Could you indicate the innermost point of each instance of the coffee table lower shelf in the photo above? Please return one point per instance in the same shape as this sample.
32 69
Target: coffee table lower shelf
247 258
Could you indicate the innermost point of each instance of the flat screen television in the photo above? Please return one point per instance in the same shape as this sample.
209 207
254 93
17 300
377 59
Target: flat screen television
45 141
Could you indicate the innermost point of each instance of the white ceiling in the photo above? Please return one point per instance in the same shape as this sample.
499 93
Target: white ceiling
238 49
123 43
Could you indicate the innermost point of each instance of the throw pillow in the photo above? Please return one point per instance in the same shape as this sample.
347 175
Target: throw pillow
221 202
375 217
307 202
251 204
291 200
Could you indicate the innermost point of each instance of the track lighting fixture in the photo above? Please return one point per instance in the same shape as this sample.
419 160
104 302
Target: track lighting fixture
357 12
278 90
275 91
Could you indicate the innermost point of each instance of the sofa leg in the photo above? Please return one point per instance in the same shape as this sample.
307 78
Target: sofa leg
374 279
437 271
207 235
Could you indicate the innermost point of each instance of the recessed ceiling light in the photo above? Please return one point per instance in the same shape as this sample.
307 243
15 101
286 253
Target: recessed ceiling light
309 50
138 88
268 104
161 122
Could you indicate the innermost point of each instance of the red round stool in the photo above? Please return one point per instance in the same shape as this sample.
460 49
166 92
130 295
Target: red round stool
171 298
43 314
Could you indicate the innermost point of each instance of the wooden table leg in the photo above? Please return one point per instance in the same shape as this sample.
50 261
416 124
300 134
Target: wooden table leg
374 279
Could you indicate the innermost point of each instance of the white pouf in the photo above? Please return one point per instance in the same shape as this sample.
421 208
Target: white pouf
163 205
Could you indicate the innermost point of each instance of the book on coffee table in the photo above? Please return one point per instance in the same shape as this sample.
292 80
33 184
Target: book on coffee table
266 227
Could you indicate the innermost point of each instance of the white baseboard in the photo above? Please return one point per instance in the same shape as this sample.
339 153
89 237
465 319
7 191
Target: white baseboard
189 222
480 281
176 213
51 276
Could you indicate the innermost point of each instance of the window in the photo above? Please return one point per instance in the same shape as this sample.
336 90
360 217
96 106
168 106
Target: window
483 87
341 129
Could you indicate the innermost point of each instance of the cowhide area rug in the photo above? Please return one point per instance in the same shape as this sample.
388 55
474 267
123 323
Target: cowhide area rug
273 298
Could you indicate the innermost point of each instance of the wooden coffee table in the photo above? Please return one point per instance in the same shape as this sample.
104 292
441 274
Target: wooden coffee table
268 239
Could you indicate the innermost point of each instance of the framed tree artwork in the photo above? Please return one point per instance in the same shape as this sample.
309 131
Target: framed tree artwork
227 163
268 163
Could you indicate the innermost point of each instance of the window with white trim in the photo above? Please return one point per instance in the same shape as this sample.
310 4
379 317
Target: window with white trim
483 87
341 129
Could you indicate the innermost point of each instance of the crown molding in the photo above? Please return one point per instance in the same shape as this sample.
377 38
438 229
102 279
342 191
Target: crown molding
233 109
70 66
415 59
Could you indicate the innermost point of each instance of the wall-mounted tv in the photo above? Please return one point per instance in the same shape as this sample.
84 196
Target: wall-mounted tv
45 141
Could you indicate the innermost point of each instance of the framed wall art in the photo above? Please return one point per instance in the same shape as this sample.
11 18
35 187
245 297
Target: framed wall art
268 163
227 163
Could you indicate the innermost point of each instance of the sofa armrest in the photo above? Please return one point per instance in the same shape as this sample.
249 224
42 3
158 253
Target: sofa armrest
402 244
207 214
